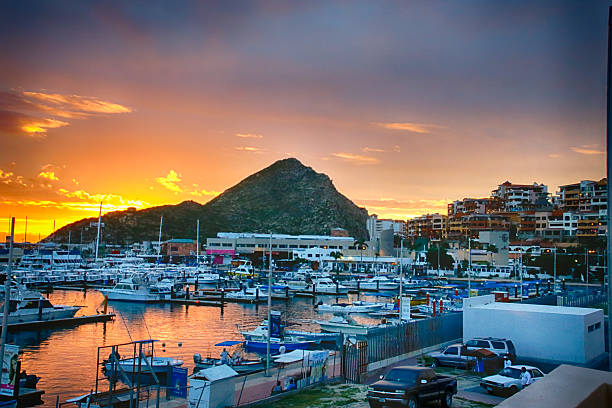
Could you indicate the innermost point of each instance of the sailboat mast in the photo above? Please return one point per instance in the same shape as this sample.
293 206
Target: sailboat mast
7 295
98 236
198 243
161 222
269 309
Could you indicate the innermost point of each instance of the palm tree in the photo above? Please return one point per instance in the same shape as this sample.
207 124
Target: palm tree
336 255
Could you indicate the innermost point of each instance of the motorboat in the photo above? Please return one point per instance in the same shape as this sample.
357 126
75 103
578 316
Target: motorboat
131 290
29 306
204 279
327 286
131 365
167 289
346 325
257 339
348 308
378 283
240 365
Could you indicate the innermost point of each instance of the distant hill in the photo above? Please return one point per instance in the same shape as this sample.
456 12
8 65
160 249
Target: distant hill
286 197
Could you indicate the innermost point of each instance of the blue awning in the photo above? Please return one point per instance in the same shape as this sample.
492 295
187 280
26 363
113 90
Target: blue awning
228 343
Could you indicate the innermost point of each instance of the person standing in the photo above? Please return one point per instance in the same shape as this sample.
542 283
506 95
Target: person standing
525 377
224 357
507 361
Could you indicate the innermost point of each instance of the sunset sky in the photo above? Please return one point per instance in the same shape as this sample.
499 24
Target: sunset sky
405 105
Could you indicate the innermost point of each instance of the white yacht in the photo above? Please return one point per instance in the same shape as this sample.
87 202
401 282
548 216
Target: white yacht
327 286
355 307
378 283
205 278
131 290
48 259
346 325
28 306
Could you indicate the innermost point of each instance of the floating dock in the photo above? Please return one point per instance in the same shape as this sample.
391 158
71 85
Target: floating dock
194 302
27 397
70 321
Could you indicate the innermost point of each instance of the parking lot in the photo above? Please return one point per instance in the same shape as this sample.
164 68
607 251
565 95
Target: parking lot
469 395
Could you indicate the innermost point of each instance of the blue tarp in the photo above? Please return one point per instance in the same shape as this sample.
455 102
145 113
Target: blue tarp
228 343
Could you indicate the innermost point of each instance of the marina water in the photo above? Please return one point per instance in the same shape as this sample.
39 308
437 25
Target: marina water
65 358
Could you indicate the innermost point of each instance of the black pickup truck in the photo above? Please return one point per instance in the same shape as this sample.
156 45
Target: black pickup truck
411 386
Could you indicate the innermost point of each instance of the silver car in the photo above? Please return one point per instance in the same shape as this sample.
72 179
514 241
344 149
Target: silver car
451 356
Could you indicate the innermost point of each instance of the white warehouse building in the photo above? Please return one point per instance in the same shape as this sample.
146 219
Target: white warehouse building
555 334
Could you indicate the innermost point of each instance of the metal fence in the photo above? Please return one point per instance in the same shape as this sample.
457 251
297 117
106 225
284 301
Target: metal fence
387 342
586 300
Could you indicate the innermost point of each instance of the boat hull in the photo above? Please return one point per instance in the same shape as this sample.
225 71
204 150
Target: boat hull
129 297
261 346
47 314
343 328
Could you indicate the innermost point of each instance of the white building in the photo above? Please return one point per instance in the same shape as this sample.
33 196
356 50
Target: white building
247 243
376 226
554 334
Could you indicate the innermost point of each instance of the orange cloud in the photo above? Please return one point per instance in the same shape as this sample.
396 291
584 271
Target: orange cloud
49 175
201 193
249 135
5 176
249 149
26 113
70 106
170 181
372 150
410 126
356 158
588 150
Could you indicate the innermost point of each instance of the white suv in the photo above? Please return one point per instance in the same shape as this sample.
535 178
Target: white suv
498 346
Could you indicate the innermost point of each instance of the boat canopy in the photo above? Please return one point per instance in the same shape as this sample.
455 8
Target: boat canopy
228 343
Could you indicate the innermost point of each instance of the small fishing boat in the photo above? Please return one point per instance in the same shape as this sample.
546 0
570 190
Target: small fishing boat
348 308
158 364
378 283
235 361
167 288
204 279
327 286
257 339
346 325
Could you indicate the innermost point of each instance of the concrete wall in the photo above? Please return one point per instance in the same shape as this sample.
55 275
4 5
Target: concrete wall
538 335
594 344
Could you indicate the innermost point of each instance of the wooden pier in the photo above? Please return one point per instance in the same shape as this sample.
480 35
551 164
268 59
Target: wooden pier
70 321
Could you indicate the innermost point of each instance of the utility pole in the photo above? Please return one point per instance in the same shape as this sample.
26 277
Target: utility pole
586 260
555 270
69 236
269 309
438 259
470 267
7 296
609 174
401 276
521 271
25 235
